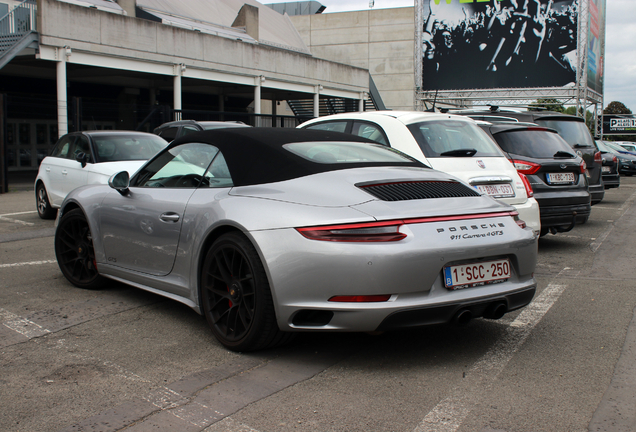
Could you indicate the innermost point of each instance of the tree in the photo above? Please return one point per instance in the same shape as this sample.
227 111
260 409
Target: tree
547 104
589 117
616 107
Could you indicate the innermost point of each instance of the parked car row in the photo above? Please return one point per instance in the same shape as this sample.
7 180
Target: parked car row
340 225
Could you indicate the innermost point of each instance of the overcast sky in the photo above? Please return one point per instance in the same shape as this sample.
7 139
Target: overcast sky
620 44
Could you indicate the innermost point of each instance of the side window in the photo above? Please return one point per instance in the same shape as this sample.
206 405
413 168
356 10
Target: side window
370 131
218 175
169 134
183 166
334 126
63 147
187 130
82 145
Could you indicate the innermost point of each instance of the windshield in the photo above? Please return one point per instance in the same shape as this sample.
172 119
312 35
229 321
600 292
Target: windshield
534 143
117 147
615 148
453 138
574 132
606 149
346 152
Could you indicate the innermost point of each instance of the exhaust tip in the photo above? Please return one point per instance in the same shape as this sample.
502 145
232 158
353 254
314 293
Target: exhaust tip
462 317
496 310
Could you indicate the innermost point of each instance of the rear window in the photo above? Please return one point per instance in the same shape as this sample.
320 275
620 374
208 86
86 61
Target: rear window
574 132
112 148
346 152
453 138
534 143
335 126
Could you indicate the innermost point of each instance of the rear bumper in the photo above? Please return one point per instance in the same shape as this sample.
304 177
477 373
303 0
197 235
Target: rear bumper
611 181
562 216
597 193
445 313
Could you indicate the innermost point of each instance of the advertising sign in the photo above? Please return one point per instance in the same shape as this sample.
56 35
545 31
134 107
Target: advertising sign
624 124
595 45
473 44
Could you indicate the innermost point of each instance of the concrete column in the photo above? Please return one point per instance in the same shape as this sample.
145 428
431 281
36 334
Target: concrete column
363 97
274 102
317 90
258 81
179 69
62 104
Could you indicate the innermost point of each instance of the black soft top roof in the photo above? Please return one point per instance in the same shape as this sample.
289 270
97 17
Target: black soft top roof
256 155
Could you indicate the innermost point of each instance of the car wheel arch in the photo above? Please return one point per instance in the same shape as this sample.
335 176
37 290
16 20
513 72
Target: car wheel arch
206 244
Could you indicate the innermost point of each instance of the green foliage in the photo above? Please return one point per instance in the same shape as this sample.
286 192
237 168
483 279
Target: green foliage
616 107
589 117
547 104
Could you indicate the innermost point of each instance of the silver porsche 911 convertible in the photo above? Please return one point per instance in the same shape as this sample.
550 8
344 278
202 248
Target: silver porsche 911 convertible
270 231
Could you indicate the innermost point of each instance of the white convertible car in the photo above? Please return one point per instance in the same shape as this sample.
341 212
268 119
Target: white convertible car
82 158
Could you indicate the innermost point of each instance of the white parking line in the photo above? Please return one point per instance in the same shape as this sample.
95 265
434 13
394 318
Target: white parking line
451 412
20 213
4 217
27 263
21 325
17 221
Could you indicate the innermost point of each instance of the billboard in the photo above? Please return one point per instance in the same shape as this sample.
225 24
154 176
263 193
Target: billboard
494 44
623 124
595 45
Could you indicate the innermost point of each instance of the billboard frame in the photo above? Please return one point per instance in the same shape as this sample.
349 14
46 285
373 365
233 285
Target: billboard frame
579 95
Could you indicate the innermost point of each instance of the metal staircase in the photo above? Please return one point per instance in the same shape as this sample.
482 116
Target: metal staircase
18 30
304 108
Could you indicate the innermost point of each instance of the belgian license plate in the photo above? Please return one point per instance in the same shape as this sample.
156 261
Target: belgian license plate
476 274
502 190
560 178
606 169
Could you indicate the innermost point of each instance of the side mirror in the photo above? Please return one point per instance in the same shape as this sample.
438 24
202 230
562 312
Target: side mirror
120 182
82 158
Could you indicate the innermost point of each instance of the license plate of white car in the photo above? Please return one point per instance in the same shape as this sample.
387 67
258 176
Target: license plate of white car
476 274
606 169
560 178
500 190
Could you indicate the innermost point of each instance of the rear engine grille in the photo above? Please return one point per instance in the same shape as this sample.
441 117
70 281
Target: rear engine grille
413 190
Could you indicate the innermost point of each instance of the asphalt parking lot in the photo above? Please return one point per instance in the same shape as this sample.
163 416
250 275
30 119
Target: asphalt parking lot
124 359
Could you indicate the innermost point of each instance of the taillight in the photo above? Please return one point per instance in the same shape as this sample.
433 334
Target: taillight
361 298
527 185
597 157
526 167
583 167
520 222
614 159
384 231
365 232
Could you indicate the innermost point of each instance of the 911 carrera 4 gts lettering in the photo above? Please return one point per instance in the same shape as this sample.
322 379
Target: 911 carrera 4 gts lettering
472 227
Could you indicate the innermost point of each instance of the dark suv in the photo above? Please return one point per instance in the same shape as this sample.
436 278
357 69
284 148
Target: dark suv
572 129
555 172
176 129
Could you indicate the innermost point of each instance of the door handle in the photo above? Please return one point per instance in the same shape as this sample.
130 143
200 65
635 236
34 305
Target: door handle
64 172
48 169
169 217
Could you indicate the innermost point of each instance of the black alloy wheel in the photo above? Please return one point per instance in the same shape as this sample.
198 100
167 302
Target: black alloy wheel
74 251
45 211
236 298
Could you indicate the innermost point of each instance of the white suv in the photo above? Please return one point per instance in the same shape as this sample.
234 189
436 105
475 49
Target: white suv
449 143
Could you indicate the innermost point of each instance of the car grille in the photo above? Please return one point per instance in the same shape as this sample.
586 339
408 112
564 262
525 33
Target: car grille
413 190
